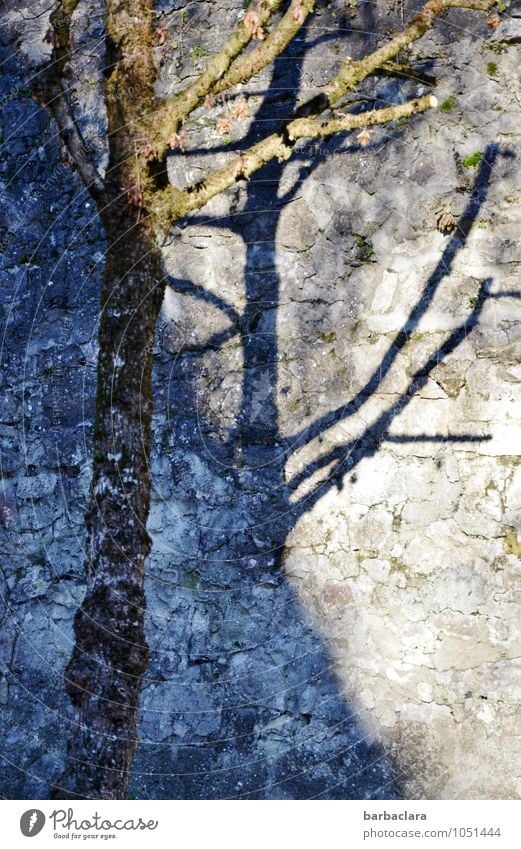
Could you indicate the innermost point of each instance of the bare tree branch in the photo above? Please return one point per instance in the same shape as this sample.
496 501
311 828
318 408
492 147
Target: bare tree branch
302 128
169 117
166 120
250 64
171 204
352 73
57 101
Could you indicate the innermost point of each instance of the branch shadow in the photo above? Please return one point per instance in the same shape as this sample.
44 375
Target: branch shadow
260 712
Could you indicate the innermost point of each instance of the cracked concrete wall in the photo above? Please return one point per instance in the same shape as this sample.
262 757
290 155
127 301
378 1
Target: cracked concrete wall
316 629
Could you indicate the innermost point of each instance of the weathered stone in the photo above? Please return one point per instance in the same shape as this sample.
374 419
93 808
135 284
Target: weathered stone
387 602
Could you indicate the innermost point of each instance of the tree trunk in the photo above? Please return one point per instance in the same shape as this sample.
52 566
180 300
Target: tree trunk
110 655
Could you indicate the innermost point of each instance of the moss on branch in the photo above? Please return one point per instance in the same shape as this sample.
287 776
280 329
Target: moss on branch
231 66
249 65
354 72
308 128
171 204
55 95
167 120
129 92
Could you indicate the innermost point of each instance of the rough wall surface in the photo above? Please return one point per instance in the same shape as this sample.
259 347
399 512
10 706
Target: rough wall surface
334 586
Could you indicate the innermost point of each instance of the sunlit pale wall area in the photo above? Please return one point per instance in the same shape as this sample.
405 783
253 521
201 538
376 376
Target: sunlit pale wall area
412 569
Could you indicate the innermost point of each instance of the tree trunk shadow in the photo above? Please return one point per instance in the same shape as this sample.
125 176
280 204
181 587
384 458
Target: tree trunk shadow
258 710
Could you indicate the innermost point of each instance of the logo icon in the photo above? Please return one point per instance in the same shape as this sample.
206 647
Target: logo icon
32 822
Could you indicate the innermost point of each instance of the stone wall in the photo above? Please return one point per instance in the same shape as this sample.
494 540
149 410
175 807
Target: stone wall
335 574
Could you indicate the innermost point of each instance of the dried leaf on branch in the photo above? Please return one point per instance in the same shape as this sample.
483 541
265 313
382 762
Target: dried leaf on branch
364 136
241 109
178 140
253 24
224 125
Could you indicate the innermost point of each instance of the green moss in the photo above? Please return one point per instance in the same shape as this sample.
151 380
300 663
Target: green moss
197 52
472 160
509 460
497 46
328 337
448 104
491 69
512 543
398 566
365 248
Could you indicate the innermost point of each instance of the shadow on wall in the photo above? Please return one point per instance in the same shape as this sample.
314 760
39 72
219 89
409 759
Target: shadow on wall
241 699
